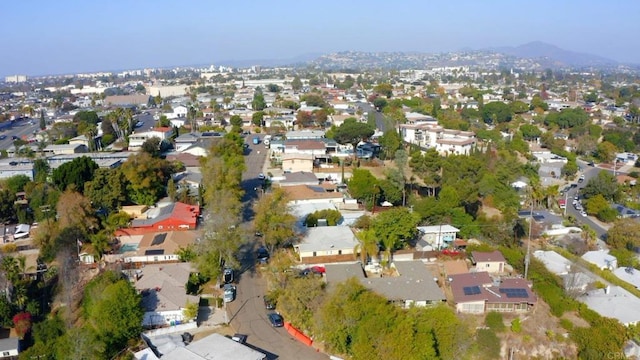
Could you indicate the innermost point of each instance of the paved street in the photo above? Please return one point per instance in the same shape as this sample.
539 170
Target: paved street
21 129
247 313
380 124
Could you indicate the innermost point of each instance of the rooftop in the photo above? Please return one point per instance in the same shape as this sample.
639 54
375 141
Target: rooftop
492 256
327 237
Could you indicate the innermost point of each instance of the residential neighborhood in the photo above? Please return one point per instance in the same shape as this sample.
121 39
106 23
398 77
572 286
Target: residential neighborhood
479 211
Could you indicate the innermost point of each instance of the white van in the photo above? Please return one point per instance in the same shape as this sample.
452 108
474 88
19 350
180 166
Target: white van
267 140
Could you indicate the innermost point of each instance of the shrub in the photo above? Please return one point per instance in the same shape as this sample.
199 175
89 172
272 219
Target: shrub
494 321
516 325
488 343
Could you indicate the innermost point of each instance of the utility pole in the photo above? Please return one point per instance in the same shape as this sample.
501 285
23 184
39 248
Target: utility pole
527 257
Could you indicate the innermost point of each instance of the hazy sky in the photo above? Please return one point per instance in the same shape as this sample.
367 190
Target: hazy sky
63 36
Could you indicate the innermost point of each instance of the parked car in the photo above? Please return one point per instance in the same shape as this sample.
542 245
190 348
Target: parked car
263 255
268 303
261 176
2 137
256 140
139 124
227 275
14 137
229 293
276 320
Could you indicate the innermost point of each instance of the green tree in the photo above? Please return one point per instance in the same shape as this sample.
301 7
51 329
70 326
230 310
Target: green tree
146 178
152 146
257 118
113 310
530 132
236 121
606 151
43 123
385 89
390 142
273 219
496 112
296 84
604 184
367 246
362 184
394 228
258 102
17 183
624 234
595 204
332 216
74 173
107 190
351 131
300 300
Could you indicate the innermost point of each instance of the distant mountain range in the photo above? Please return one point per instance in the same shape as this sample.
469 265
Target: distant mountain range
530 56
538 50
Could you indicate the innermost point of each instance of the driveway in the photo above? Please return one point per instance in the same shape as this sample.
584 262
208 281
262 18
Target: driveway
247 313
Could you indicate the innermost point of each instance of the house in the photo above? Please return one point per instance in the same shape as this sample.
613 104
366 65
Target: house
625 212
211 347
477 293
8 170
430 135
305 135
299 178
628 274
613 302
573 278
156 246
412 285
292 163
163 292
491 262
326 244
9 345
180 112
601 259
436 237
137 139
308 194
174 216
311 147
65 149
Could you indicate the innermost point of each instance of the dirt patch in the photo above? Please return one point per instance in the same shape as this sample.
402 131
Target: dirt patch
575 319
490 212
541 336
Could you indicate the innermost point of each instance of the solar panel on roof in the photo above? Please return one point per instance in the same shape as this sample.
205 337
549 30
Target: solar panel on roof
471 290
515 293
318 189
158 239
152 252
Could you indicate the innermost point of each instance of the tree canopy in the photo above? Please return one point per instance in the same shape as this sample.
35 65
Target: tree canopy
74 173
351 131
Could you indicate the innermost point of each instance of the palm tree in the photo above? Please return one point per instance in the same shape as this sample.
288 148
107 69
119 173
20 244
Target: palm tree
367 245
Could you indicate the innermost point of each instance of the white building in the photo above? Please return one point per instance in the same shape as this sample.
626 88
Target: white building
601 259
436 236
446 141
326 241
137 139
164 296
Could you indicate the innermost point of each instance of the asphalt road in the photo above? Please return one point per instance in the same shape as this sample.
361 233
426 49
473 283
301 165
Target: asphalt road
380 124
589 172
247 313
21 129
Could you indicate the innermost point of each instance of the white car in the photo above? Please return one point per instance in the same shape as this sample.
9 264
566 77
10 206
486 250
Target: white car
583 213
261 176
